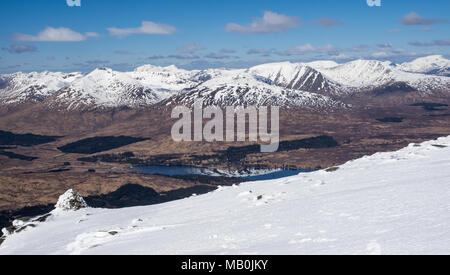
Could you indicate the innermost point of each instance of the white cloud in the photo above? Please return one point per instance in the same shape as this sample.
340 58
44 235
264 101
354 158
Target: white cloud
50 34
271 22
340 56
414 18
147 27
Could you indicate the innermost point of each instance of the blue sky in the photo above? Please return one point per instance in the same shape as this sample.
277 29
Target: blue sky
51 35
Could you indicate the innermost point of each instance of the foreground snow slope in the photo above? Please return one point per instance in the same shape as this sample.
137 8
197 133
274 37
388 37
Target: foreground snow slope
387 203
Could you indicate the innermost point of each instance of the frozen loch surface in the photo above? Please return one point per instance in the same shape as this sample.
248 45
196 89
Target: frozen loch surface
388 203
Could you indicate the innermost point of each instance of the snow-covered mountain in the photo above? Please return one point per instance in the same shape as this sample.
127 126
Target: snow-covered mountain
106 88
297 76
22 87
387 203
362 75
434 65
168 78
240 87
291 84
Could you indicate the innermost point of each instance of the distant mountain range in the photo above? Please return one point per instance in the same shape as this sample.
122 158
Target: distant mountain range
315 84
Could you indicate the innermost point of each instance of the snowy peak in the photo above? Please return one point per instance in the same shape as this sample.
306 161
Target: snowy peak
168 78
434 64
104 87
363 75
240 87
360 73
152 68
22 87
296 76
281 83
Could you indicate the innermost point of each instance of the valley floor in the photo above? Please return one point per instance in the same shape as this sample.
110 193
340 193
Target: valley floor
387 203
36 174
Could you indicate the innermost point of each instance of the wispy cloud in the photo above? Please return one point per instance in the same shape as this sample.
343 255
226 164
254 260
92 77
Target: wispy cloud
219 55
262 52
444 42
156 57
359 48
426 29
92 62
124 66
227 51
51 34
229 63
394 30
327 22
381 55
97 62
271 22
147 27
122 52
190 48
392 55
308 48
414 18
384 46
340 56
183 56
17 49
91 34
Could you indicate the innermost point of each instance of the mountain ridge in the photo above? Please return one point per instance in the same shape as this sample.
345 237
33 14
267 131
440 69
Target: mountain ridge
319 83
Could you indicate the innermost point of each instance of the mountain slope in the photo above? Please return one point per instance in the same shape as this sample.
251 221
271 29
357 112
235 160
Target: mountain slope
105 88
363 75
297 77
168 78
434 65
388 203
22 87
238 87
274 83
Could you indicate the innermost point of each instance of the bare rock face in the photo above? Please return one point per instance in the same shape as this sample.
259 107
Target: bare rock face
70 201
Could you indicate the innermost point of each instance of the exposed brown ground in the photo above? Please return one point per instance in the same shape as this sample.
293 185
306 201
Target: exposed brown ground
25 183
